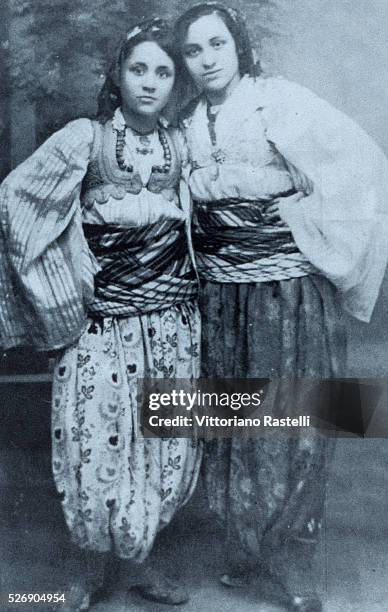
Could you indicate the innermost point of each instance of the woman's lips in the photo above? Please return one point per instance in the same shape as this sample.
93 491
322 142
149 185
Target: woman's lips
209 76
147 99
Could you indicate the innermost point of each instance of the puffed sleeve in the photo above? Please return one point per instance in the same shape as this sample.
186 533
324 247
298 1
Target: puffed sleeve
46 277
341 226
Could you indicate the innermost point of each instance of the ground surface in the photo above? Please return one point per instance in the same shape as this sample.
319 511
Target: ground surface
35 556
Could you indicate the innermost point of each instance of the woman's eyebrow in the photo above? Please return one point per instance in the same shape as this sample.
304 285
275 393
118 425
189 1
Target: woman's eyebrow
141 64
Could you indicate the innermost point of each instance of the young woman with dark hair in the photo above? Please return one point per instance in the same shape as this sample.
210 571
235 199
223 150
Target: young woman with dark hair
97 265
289 231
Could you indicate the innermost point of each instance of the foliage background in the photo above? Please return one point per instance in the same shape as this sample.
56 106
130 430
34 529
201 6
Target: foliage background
57 51
54 54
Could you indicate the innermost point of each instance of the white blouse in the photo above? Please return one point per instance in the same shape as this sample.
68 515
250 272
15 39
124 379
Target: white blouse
341 225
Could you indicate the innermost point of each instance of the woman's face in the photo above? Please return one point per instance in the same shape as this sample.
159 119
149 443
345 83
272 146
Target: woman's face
210 54
146 79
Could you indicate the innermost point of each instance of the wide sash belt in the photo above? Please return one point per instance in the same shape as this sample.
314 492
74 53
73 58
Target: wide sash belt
142 269
236 241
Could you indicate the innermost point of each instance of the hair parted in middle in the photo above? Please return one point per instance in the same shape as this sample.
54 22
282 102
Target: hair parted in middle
235 23
155 30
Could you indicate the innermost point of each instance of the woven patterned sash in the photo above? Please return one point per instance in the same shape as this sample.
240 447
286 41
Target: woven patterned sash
143 269
234 242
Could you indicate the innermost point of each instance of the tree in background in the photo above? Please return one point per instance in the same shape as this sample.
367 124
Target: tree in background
55 54
60 50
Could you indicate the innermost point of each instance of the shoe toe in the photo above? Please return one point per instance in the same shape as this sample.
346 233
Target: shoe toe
309 603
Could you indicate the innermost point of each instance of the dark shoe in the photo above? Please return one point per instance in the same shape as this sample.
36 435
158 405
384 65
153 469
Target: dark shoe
170 595
291 567
153 585
236 581
240 573
86 587
309 603
240 576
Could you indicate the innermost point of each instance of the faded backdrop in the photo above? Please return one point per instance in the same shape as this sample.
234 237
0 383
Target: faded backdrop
54 54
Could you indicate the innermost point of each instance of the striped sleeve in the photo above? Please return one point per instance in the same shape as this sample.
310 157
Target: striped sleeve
43 285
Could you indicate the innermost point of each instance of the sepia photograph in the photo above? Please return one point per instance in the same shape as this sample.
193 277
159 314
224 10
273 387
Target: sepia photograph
193 305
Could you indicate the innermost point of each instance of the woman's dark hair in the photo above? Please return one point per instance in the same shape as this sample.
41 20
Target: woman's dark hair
152 30
233 21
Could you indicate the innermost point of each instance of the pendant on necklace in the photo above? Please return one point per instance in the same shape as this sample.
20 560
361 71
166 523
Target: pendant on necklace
219 156
144 151
145 141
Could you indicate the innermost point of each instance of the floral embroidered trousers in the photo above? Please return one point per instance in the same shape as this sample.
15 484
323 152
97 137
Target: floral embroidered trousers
118 491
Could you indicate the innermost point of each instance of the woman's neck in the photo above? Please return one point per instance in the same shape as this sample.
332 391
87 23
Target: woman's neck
216 98
143 124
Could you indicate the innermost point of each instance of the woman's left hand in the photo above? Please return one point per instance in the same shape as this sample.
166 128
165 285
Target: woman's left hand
271 213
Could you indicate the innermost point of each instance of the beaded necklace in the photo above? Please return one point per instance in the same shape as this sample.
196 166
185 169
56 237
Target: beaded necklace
120 144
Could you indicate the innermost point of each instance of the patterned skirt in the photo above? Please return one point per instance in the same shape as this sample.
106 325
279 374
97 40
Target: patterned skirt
118 491
270 488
